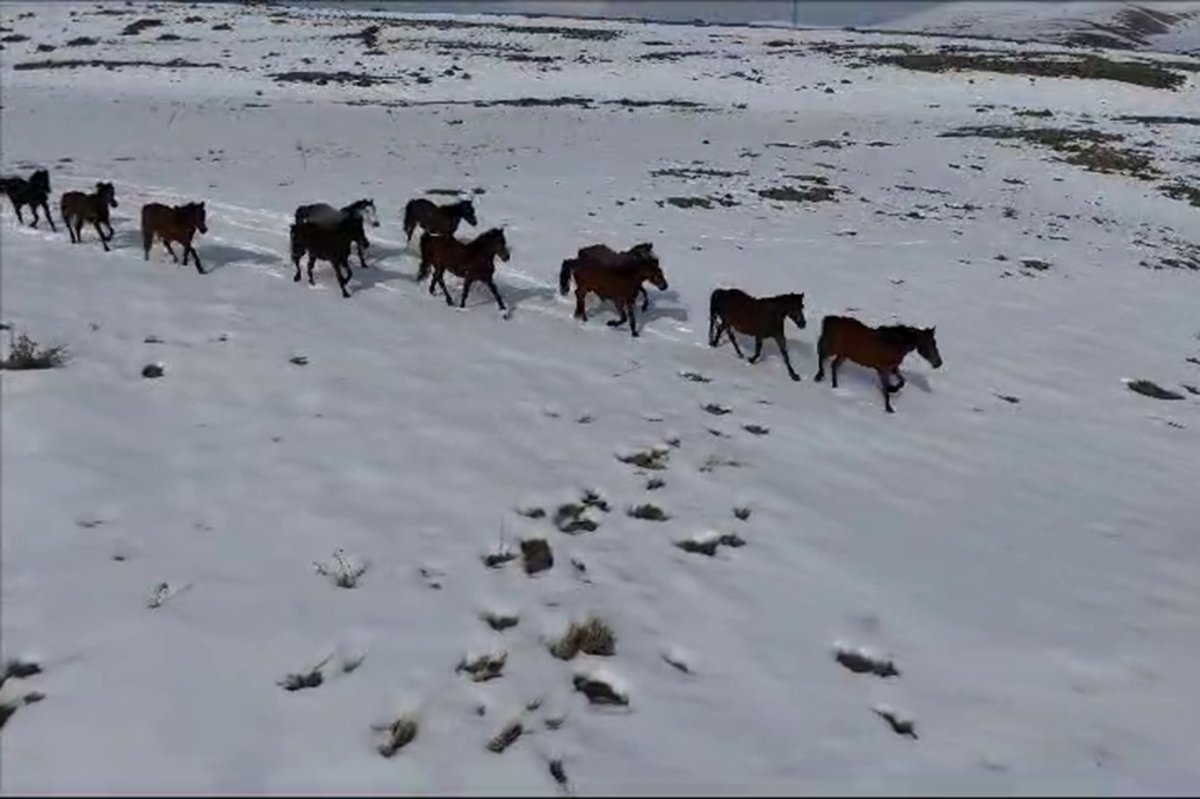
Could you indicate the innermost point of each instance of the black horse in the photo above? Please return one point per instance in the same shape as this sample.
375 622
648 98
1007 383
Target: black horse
323 214
34 192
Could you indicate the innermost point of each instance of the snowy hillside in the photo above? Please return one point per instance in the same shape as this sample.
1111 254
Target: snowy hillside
1156 26
993 589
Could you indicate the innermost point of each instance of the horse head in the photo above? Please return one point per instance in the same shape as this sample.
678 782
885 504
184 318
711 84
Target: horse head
927 346
199 217
466 210
499 244
107 194
366 210
40 180
794 308
653 272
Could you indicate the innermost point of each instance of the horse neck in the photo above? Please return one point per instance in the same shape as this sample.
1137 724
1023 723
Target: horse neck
901 337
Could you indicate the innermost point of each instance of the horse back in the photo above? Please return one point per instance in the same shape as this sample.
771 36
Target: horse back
848 337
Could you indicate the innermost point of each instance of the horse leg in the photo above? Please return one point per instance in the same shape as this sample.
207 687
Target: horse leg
17 208
296 261
758 342
782 342
887 390
645 299
111 232
467 281
361 260
633 317
624 316
439 279
195 257
343 281
99 232
491 284
50 219
899 377
312 261
171 250
33 209
733 341
580 296
833 367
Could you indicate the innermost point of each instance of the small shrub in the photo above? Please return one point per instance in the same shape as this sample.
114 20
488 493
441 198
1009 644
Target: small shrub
537 555
502 555
482 668
654 458
594 499
741 513
655 483
571 518
134 28
506 737
343 572
649 512
397 735
24 354
599 691
532 512
500 621
298 682
708 543
592 637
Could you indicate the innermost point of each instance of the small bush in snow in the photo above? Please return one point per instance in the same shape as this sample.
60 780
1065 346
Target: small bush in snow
342 571
397 735
482 668
537 555
24 353
506 737
592 637
654 458
649 512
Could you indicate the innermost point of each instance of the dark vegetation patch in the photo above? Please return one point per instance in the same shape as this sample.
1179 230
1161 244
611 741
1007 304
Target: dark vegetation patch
14 38
324 78
1089 67
1149 388
707 545
586 34
82 41
1089 148
25 354
1182 191
803 194
694 172
706 202
673 55
899 725
1151 119
134 28
863 663
1041 113
598 691
75 63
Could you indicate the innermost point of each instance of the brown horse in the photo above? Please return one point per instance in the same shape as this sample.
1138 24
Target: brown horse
34 192
605 254
617 282
173 224
329 243
77 207
473 260
437 220
761 317
881 349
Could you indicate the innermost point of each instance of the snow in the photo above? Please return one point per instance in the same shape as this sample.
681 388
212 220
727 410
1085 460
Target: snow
1052 21
1032 568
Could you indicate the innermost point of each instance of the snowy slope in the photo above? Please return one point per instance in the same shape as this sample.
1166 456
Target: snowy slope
1161 27
1018 538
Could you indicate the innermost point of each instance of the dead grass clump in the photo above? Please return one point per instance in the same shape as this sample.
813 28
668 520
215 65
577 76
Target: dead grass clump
708 544
807 194
502 555
654 458
1102 158
397 735
599 691
571 518
648 511
342 572
1182 191
506 737
24 354
592 637
134 28
500 621
482 668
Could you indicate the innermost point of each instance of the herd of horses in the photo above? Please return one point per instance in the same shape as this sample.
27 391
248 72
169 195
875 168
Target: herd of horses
330 234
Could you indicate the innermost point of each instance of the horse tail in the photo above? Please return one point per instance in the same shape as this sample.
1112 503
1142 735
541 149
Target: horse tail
294 242
410 218
564 275
714 311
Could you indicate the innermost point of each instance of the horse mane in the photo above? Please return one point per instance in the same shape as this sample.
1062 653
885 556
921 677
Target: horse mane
486 236
899 336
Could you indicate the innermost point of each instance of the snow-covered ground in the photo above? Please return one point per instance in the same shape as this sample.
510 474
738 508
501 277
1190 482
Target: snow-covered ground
1019 538
1157 26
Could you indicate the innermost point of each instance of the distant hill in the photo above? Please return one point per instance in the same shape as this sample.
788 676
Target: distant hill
1166 27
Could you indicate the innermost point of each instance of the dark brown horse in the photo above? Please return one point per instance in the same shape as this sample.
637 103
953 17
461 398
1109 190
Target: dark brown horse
473 260
761 317
34 192
605 254
617 282
179 223
329 243
325 214
437 220
881 349
77 207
